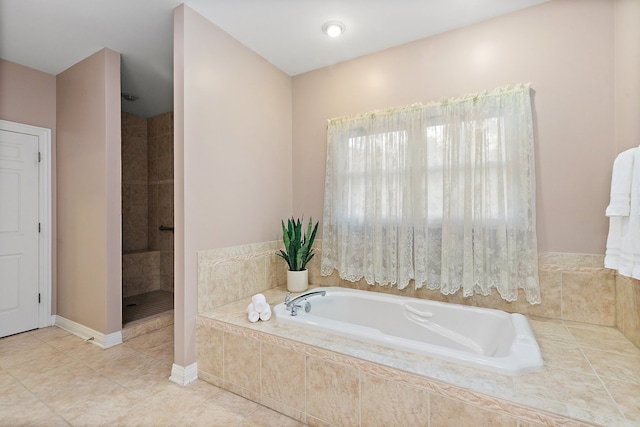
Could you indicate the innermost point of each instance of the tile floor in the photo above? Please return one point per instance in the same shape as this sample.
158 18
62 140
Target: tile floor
49 377
147 304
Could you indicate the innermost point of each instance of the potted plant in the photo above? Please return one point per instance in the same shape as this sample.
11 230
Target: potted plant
298 251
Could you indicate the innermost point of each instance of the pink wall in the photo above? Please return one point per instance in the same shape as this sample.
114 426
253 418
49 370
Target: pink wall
89 194
28 96
233 128
565 48
627 66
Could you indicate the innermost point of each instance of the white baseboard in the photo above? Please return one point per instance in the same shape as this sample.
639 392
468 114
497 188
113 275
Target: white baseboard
184 375
86 333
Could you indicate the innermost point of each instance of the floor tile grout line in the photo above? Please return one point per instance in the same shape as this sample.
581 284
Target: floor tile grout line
595 371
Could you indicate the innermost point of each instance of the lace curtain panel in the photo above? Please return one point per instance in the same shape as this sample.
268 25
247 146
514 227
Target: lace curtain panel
442 194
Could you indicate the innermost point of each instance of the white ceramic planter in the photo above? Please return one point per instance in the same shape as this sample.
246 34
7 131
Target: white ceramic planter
297 281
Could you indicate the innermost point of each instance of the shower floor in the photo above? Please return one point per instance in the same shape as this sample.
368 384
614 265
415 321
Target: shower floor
144 305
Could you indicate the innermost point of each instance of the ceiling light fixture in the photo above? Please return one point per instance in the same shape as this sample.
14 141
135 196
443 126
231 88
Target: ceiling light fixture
333 28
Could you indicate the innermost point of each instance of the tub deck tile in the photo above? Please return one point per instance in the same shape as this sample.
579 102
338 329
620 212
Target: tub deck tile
567 392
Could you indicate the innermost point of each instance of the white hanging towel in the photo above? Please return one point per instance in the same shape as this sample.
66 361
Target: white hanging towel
620 202
623 242
619 206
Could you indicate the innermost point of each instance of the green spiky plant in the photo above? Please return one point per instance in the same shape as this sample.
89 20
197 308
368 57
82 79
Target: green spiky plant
298 247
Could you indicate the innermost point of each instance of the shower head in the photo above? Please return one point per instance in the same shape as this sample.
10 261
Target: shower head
129 97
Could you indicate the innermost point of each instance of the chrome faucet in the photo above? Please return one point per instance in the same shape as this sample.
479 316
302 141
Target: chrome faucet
293 306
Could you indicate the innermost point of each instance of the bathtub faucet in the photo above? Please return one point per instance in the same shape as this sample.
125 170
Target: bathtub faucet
293 306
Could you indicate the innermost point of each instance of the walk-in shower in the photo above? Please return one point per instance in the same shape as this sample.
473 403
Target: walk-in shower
147 216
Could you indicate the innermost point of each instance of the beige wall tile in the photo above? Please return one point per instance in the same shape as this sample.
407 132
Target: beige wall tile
134 160
283 372
228 274
242 362
241 391
296 414
315 422
448 412
550 294
632 316
568 259
165 195
588 298
315 277
165 145
209 342
332 392
239 279
228 282
388 403
133 126
165 167
276 271
140 273
628 308
152 170
266 417
161 124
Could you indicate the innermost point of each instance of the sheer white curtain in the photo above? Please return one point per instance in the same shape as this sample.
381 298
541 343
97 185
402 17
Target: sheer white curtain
442 193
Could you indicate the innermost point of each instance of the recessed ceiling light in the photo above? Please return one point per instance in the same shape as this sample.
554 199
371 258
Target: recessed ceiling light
333 28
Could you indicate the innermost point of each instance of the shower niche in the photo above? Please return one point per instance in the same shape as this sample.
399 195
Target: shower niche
147 216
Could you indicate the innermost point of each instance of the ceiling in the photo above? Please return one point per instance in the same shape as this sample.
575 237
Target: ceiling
53 35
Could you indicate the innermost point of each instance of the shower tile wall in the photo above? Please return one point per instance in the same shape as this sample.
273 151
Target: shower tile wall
147 203
134 183
160 180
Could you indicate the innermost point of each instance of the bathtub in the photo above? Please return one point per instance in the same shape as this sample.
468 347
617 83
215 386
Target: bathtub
478 337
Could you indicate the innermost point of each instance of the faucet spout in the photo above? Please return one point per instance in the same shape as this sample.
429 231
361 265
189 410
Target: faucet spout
292 304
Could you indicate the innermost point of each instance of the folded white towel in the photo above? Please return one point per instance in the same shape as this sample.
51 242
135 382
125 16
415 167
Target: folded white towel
621 179
266 313
250 308
253 316
259 302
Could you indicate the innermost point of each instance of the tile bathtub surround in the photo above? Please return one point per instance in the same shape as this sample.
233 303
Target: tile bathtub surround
49 377
573 287
229 274
588 368
628 308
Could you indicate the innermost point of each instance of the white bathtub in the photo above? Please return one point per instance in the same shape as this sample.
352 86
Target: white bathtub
479 337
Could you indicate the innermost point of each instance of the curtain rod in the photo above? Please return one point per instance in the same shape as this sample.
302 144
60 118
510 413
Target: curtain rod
443 101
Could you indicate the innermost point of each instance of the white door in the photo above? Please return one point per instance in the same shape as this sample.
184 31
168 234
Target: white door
19 265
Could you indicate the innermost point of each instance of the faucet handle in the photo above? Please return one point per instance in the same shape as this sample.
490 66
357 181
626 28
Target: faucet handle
287 298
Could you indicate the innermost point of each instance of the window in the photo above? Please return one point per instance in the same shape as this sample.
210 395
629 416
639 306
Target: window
441 194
